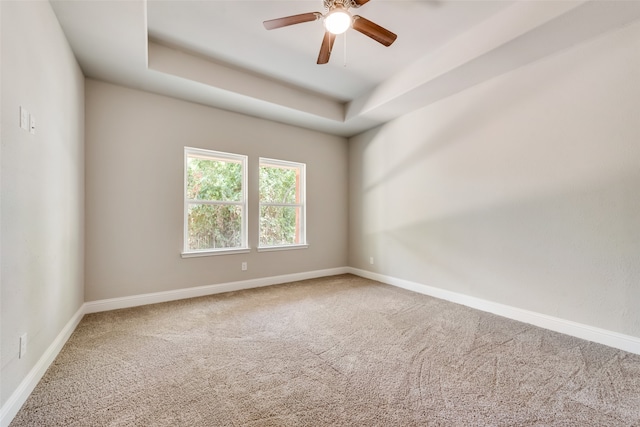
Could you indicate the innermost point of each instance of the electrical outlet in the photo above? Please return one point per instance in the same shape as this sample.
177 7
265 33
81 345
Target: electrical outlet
23 346
244 266
370 260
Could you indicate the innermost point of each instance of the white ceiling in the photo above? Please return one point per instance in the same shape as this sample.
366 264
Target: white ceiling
217 53
232 31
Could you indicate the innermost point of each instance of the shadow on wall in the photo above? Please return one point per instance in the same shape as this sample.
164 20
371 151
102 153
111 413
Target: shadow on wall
445 124
521 190
566 255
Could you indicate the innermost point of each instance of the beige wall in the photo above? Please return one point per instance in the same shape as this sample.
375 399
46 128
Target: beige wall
524 190
134 192
42 226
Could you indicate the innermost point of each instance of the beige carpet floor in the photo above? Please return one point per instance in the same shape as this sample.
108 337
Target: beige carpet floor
333 351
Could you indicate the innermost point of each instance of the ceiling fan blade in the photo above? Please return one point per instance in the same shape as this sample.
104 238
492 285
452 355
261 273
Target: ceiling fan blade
359 3
325 48
272 24
373 30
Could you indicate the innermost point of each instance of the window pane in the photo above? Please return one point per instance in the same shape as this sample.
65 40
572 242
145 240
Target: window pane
211 179
278 184
279 225
214 226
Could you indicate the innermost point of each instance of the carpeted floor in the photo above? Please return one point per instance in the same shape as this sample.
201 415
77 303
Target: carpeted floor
340 350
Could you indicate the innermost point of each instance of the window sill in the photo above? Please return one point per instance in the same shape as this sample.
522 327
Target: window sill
281 248
215 252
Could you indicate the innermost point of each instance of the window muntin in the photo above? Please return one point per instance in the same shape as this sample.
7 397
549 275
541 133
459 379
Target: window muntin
282 204
215 206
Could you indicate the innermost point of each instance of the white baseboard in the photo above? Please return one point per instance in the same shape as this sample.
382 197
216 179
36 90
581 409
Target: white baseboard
157 297
586 332
20 395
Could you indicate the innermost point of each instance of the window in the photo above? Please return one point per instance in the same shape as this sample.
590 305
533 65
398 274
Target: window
282 204
215 202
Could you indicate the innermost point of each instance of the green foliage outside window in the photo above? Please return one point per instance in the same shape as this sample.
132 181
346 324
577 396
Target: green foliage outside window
213 227
215 202
219 225
209 179
279 225
277 185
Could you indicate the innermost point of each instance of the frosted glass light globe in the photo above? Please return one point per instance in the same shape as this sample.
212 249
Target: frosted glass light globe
337 22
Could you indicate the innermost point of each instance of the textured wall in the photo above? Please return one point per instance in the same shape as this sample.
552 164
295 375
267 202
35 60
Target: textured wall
134 186
523 190
42 186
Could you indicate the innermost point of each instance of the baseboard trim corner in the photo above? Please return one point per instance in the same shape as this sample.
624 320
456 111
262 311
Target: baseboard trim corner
590 333
199 291
21 394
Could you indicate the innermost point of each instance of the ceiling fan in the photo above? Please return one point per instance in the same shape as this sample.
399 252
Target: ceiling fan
336 21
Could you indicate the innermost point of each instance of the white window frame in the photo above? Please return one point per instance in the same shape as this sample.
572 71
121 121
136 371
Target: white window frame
243 203
302 184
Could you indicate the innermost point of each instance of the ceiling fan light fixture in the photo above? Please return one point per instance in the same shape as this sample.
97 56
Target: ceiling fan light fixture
337 21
